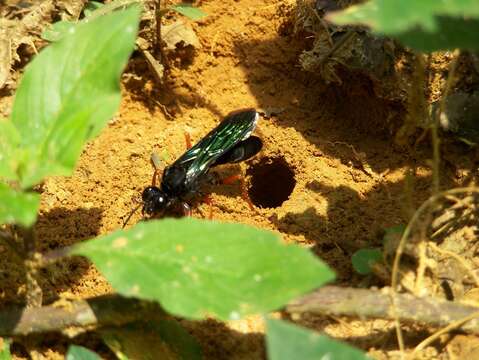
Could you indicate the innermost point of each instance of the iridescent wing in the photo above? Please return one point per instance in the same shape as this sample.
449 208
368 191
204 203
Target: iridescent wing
236 127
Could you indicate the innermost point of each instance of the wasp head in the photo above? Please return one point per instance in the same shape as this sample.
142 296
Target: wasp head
154 200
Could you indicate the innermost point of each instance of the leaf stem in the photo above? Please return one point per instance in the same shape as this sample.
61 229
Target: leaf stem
34 295
440 114
159 51
10 242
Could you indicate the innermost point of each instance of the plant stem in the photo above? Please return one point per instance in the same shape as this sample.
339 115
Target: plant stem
158 44
34 295
10 242
158 50
437 117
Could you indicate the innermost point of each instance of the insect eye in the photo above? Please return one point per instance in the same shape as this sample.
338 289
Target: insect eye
149 193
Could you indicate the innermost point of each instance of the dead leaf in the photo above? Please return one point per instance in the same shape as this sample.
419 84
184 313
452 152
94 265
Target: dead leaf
179 34
5 59
70 9
24 25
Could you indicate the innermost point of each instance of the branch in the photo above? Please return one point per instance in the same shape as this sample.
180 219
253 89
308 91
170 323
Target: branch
364 303
110 310
114 310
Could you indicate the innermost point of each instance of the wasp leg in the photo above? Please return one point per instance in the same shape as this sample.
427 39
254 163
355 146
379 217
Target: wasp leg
186 208
233 178
156 162
187 140
209 201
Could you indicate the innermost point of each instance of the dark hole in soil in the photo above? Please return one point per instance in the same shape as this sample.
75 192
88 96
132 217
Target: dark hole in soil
272 181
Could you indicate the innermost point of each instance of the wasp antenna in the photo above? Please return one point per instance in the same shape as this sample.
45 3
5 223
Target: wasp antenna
130 215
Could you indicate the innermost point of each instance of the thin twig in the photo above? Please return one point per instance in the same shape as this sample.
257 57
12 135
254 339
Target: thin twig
402 243
110 310
452 326
158 39
459 259
435 124
373 304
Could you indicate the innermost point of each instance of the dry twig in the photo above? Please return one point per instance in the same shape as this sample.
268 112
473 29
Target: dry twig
402 243
78 315
365 303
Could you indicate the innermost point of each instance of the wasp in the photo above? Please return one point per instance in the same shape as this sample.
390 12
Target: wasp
228 143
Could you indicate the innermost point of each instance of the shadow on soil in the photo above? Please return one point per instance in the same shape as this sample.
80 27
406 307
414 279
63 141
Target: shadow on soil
58 228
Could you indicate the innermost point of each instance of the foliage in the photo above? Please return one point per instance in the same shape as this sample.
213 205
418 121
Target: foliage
18 207
425 25
80 353
285 341
67 95
5 349
189 11
95 9
198 268
363 259
165 339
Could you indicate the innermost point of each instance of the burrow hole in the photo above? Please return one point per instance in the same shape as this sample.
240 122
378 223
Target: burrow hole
272 182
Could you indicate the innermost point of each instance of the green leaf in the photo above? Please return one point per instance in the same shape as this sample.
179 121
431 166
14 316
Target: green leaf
452 33
18 207
91 6
393 233
363 259
286 341
189 11
68 93
110 7
5 349
9 153
80 353
198 268
58 30
425 25
166 339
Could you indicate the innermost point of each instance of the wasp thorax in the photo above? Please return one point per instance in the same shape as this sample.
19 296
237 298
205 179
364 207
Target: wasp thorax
154 200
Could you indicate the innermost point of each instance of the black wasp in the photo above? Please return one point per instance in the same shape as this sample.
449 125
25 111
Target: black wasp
230 142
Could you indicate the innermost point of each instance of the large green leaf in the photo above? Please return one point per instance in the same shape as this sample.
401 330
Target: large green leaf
80 353
9 153
426 25
196 268
69 92
285 341
18 207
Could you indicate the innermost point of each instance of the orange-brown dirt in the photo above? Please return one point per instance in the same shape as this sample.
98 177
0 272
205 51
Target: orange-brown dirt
334 179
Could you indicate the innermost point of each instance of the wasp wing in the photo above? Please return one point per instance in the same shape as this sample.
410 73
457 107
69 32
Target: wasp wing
234 128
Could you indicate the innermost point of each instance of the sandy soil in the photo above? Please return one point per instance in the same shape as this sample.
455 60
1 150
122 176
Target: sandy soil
328 176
